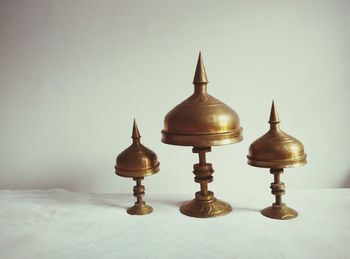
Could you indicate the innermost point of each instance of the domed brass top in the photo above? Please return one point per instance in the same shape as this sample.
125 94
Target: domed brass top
201 120
276 149
137 160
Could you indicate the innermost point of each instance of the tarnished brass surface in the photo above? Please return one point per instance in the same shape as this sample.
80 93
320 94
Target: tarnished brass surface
277 150
201 120
137 161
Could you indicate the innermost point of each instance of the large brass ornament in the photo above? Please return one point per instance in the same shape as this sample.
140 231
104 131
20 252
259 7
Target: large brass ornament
202 121
137 161
277 150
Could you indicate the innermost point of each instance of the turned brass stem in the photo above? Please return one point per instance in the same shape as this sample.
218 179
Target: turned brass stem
204 204
202 161
277 181
277 187
202 158
139 191
204 189
203 170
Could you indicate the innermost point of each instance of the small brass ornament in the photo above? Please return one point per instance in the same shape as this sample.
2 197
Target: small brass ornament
202 121
277 150
137 161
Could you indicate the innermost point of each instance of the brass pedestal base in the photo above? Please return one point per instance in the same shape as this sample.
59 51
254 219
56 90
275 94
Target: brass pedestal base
205 206
279 212
142 209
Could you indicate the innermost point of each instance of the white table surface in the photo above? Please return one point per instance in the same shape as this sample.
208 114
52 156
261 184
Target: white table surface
61 224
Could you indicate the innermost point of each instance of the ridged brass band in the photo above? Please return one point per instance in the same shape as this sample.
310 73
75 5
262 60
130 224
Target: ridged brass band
203 173
136 174
286 163
214 139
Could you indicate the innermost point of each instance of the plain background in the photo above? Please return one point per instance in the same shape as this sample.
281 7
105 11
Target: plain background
74 74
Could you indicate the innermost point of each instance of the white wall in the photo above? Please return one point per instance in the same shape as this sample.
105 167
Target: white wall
74 74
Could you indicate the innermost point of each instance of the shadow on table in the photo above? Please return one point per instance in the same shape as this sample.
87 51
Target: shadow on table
112 200
234 208
346 182
166 202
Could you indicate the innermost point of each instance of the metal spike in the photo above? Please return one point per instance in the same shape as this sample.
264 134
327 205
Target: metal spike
274 119
135 132
200 77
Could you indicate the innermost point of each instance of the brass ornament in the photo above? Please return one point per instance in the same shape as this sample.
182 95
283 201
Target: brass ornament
202 121
137 161
277 150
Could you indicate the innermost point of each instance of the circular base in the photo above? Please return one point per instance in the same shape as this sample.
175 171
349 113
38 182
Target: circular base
140 210
205 207
279 212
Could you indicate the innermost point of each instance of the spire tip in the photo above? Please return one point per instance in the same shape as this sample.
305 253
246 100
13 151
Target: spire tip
274 119
200 76
135 131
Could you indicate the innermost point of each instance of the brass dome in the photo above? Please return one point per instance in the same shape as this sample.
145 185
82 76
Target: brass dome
201 120
276 149
137 160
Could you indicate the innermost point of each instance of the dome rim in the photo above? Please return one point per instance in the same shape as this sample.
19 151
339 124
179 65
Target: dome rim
137 173
282 163
200 139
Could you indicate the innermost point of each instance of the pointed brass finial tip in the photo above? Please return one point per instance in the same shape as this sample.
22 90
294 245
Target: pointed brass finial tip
135 131
200 77
273 114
